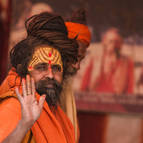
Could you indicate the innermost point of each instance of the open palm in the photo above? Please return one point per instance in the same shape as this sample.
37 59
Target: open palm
30 107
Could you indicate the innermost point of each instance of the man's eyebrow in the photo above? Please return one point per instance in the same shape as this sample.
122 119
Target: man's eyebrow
41 64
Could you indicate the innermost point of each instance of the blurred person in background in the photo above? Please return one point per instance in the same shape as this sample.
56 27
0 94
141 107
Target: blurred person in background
77 29
116 71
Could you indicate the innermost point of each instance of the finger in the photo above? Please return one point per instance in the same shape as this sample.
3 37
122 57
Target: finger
41 101
24 88
28 85
18 94
33 86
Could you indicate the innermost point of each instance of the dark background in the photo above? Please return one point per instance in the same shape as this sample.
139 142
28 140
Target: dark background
127 15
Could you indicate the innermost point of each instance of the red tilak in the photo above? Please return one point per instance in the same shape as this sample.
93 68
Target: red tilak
50 54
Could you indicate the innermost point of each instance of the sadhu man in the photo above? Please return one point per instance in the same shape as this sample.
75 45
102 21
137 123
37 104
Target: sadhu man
38 70
116 70
77 28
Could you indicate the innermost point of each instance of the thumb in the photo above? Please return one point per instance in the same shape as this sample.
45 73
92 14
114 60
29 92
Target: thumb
41 101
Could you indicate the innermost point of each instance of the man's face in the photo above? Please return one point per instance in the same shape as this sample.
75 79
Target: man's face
48 75
81 54
111 41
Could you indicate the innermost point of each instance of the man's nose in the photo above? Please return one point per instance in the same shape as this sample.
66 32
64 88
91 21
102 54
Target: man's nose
49 73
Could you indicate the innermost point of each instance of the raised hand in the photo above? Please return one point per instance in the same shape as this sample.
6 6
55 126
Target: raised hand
30 107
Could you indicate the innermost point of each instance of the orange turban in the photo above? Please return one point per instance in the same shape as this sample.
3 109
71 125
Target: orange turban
80 30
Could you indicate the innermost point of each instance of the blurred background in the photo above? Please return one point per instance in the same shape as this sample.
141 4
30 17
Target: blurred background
121 22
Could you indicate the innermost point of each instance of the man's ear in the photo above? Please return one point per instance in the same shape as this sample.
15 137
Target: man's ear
20 70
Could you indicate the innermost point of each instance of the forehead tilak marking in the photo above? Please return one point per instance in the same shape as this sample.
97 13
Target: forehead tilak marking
34 60
41 55
46 56
49 55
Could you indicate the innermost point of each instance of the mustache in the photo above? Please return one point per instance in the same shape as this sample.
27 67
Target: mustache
45 82
52 93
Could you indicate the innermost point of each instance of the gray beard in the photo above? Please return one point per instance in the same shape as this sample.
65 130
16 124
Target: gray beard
52 97
52 94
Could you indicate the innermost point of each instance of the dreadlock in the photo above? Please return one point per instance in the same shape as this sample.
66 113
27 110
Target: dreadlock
78 16
44 29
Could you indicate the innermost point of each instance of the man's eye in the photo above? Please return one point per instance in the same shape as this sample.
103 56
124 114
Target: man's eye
56 68
41 67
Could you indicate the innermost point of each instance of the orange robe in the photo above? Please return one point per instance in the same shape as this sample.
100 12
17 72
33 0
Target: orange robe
50 127
108 85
